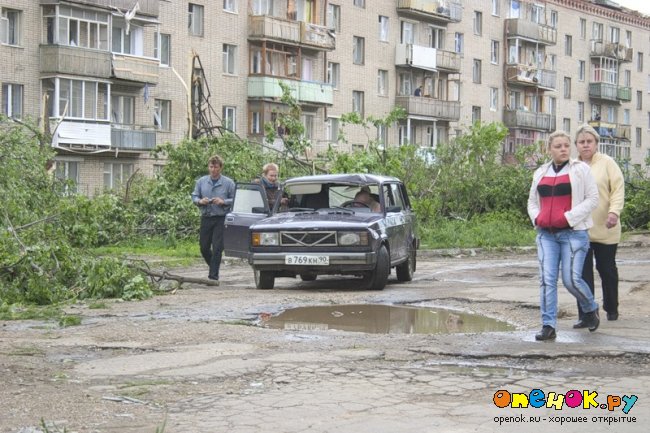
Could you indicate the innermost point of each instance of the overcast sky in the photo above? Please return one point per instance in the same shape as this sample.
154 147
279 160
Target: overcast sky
642 6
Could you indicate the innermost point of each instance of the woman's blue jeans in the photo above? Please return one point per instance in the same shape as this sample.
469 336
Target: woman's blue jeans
566 250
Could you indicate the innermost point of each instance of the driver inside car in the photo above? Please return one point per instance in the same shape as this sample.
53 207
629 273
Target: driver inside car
363 197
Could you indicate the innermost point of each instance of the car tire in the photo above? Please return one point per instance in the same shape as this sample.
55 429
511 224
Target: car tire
377 278
308 277
406 269
264 280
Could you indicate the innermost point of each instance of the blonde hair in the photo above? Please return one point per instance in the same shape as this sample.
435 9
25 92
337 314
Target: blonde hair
216 160
270 166
556 134
588 129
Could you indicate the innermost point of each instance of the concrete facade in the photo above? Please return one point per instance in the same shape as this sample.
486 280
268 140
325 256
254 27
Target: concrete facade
489 60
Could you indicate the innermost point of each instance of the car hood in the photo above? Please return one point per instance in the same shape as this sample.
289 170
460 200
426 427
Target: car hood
320 220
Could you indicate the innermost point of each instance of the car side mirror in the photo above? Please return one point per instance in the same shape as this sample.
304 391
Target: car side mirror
394 209
259 209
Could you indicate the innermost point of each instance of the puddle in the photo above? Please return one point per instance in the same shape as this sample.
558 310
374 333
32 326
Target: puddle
384 319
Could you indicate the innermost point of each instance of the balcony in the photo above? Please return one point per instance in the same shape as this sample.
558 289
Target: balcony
532 77
520 28
61 59
135 138
275 29
445 11
529 120
426 58
430 107
604 91
317 36
146 7
624 94
612 130
82 135
308 92
135 68
611 50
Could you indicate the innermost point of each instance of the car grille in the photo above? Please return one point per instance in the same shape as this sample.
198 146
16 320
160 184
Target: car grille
308 239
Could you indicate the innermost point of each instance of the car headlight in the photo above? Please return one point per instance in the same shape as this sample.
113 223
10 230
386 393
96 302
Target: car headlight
265 239
353 238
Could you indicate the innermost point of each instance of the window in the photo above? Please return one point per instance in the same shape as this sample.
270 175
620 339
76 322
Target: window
382 135
116 174
357 102
553 62
229 59
308 123
639 61
478 23
255 122
581 70
626 116
476 114
627 78
639 100
405 84
583 28
638 137
358 50
68 172
382 82
332 129
597 31
614 35
130 42
195 19
334 17
494 52
476 71
407 32
162 48
458 43
333 74
122 109
10 26
12 100
567 88
494 98
496 7
70 26
162 114
77 98
581 112
568 45
552 105
262 7
566 125
360 3
537 14
228 120
628 39
436 37
515 7
230 5
554 18
383 28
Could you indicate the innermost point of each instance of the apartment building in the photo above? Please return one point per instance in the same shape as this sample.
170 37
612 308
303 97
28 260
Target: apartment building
110 79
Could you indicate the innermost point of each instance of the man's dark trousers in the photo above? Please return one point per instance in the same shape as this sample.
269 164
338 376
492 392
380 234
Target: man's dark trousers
211 243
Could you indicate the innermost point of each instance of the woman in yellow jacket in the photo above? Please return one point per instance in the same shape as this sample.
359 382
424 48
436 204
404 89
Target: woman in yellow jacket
605 234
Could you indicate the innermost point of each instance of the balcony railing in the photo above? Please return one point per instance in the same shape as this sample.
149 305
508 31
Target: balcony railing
136 138
612 50
448 60
317 36
430 107
529 120
612 130
134 68
624 94
273 28
518 27
605 91
310 92
447 11
61 59
427 58
531 76
146 7
82 135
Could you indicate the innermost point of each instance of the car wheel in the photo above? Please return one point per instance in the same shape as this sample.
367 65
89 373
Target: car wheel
406 269
377 278
264 280
308 277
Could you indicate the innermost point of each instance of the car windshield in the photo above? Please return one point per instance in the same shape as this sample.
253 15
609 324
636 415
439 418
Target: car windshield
309 197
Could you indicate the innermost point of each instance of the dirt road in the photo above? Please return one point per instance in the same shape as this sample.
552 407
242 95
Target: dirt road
200 359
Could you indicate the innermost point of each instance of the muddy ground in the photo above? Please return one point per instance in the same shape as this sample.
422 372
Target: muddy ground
199 359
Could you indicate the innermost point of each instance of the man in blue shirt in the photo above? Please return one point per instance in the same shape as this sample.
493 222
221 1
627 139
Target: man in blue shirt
213 194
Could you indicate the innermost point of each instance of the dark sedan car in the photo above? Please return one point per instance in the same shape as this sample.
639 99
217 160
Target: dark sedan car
345 224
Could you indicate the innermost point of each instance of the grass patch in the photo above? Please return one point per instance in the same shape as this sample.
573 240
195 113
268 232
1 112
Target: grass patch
493 230
97 305
28 312
180 253
69 320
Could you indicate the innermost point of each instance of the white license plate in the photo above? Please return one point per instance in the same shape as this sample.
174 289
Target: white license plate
310 260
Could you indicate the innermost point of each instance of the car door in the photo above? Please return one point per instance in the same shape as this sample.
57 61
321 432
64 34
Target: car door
249 206
396 221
